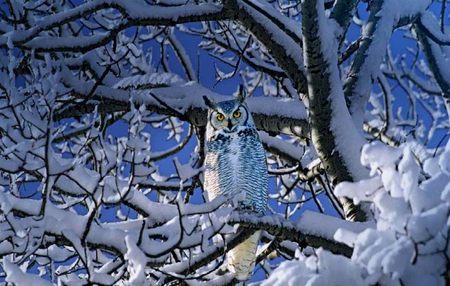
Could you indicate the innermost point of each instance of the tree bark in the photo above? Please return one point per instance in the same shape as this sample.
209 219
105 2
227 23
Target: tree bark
319 76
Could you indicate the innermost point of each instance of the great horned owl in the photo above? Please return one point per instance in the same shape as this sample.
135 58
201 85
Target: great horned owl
236 163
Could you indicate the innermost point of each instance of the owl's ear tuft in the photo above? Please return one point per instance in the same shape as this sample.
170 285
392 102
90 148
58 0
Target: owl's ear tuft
240 96
210 102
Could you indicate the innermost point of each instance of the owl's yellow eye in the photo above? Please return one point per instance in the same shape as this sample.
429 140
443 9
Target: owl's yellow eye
237 114
220 117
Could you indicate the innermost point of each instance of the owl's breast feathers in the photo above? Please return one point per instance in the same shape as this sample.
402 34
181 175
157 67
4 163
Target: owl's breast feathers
235 163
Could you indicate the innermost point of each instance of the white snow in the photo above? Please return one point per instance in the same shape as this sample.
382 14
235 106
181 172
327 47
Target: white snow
323 268
429 21
348 138
189 95
276 33
325 226
137 262
412 223
282 146
148 80
388 16
18 277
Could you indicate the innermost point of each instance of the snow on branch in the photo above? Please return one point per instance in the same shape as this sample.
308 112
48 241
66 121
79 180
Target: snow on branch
332 124
134 13
436 57
270 114
408 242
263 24
313 229
417 233
306 230
384 17
429 25
183 270
196 224
343 11
180 51
281 148
250 56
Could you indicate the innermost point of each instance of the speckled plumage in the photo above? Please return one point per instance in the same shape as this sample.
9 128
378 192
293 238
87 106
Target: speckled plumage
236 163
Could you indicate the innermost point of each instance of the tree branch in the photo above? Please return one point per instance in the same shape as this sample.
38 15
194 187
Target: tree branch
327 110
302 231
134 13
283 48
437 62
366 64
343 11
186 100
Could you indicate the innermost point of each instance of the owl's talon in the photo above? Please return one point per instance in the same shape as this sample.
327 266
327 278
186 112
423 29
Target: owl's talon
246 209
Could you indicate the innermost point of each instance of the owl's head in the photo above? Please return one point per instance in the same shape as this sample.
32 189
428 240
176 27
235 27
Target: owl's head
228 116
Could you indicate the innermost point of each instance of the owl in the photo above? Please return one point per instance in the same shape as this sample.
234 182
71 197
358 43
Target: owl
235 164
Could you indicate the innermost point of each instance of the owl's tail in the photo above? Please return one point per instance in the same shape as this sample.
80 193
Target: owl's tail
241 259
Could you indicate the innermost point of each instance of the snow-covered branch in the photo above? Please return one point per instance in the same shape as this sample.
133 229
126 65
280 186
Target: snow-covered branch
133 13
343 11
437 60
285 49
307 230
428 24
330 120
185 101
385 16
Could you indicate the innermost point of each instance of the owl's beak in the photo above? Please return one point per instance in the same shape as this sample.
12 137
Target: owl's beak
230 125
